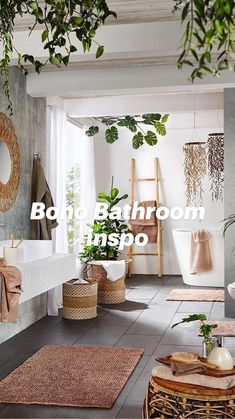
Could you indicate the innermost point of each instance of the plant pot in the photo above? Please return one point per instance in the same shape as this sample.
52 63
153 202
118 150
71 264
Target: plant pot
79 301
109 292
207 346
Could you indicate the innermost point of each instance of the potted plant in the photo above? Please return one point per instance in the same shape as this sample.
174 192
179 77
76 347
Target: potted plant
205 331
109 292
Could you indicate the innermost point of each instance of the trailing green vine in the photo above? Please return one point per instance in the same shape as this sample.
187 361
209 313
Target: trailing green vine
135 124
209 38
65 24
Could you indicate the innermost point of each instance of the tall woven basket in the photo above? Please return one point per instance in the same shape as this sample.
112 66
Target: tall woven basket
108 292
79 301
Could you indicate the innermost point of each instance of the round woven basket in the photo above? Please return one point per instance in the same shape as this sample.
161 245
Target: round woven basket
109 292
79 301
168 399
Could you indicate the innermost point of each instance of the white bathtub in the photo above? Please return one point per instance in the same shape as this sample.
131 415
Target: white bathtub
213 278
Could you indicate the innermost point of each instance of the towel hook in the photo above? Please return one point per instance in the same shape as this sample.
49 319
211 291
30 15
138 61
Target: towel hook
36 156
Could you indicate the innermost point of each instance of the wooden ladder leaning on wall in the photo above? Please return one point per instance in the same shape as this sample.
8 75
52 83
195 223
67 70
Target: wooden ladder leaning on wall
156 180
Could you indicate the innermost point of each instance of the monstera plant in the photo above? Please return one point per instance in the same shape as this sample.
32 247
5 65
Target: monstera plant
144 128
209 36
65 25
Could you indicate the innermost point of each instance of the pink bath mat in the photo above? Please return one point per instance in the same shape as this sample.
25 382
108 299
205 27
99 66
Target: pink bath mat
196 295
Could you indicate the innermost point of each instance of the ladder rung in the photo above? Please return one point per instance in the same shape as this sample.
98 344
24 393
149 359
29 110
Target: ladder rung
145 254
145 180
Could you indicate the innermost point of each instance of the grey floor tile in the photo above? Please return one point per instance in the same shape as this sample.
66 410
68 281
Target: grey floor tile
183 334
162 310
31 411
132 407
195 306
148 326
148 343
104 335
217 311
143 292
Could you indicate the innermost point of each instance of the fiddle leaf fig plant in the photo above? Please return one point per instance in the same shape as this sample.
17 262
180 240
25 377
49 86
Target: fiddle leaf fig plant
136 124
107 226
208 45
65 25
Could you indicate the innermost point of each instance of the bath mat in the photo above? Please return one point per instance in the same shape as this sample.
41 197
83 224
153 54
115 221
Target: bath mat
224 328
77 376
196 295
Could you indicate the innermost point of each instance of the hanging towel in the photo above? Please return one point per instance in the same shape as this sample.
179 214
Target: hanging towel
144 226
41 229
200 252
10 293
115 269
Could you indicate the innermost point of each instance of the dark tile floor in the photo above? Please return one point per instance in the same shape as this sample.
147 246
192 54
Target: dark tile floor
143 321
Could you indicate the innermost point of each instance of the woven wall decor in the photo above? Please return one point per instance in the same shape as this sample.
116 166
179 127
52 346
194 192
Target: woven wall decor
215 153
8 191
194 171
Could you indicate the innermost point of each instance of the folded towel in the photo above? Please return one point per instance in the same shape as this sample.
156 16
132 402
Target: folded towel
152 221
80 281
115 269
223 383
10 293
178 368
200 252
148 227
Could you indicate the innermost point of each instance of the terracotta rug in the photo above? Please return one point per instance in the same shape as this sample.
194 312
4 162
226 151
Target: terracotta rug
196 295
78 376
224 328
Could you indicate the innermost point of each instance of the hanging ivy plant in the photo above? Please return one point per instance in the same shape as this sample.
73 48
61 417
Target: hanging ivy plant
209 30
135 124
65 24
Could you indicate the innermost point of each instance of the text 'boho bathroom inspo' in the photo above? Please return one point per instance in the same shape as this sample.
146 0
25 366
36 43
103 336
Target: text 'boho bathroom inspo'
117 210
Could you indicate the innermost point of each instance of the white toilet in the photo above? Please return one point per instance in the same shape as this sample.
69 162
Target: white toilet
231 290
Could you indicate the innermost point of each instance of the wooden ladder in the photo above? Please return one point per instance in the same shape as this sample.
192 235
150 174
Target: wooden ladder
156 180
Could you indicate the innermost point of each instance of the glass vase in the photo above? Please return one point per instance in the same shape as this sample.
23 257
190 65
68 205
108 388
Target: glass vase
207 346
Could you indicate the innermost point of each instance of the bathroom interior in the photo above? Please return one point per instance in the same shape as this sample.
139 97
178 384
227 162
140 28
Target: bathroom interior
97 345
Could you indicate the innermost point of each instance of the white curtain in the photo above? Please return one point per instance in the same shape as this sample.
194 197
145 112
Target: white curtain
82 148
57 148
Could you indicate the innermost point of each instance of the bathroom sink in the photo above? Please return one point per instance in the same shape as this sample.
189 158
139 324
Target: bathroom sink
30 250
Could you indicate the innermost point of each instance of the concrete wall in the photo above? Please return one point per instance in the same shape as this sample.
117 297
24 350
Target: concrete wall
29 120
229 197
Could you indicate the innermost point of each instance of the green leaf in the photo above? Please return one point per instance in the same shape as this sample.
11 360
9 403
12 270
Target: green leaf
33 5
151 118
137 140
165 118
93 130
100 51
92 33
160 128
114 193
76 20
151 138
104 196
128 122
45 35
185 11
72 48
111 135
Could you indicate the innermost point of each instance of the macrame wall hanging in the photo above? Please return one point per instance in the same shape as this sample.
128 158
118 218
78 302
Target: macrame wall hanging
194 171
215 157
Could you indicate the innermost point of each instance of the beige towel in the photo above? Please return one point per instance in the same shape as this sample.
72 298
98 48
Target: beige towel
178 368
200 252
10 293
41 229
148 227
223 383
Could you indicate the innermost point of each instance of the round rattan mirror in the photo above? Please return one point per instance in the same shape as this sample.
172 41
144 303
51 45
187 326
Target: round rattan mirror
9 164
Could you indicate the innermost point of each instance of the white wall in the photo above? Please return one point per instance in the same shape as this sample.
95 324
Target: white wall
115 160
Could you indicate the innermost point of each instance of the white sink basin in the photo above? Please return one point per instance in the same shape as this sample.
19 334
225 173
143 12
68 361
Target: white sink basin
30 250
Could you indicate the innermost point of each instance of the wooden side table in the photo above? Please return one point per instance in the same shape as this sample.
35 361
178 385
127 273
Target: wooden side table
169 399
